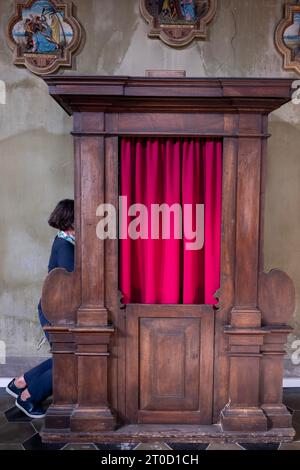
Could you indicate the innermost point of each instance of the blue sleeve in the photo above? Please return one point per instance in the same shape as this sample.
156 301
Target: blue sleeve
65 256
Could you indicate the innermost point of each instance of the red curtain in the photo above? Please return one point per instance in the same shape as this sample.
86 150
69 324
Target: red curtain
171 171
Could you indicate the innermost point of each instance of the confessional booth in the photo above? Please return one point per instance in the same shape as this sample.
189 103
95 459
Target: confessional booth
152 340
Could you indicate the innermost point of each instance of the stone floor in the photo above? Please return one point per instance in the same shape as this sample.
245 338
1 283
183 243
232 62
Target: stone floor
18 432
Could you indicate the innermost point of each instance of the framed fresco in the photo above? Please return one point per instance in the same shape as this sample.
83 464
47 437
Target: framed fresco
287 37
178 22
44 35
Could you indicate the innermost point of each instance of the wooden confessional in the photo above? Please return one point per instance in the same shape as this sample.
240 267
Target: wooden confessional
114 378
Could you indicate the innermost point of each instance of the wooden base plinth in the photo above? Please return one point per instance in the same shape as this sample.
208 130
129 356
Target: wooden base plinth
58 416
136 433
92 420
278 416
243 419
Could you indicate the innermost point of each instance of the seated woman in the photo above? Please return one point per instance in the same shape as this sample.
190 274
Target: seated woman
35 386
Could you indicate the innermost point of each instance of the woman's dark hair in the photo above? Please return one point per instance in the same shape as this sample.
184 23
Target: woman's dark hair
62 217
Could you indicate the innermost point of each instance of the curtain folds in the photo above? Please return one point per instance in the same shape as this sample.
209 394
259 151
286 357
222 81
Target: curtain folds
163 268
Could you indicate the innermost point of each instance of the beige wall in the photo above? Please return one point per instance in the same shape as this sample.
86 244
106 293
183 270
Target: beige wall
36 148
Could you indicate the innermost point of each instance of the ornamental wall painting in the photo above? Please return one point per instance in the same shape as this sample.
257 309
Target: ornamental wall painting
44 35
287 37
178 22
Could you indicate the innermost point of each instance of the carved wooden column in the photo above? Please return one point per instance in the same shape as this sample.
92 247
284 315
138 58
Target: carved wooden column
92 332
244 332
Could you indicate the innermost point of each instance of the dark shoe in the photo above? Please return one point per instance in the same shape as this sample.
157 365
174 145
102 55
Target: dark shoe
13 390
30 409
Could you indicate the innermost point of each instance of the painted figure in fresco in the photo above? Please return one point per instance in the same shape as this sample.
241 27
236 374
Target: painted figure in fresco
174 10
184 10
45 27
38 35
43 39
43 31
43 43
188 10
170 10
28 28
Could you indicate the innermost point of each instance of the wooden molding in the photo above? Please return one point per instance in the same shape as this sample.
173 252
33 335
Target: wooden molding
77 93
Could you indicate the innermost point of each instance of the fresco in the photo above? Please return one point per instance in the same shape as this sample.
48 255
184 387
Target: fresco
181 11
43 35
287 37
42 29
178 22
291 35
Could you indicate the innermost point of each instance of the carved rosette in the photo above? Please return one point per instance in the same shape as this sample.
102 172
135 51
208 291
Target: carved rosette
43 35
287 37
175 26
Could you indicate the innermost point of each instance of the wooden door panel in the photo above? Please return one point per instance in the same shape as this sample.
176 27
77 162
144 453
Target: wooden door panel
169 363
169 352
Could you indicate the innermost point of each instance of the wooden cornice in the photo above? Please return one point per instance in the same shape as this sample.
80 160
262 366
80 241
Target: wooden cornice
149 94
